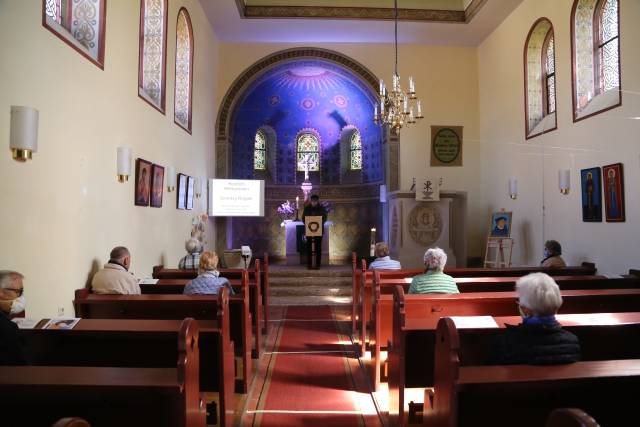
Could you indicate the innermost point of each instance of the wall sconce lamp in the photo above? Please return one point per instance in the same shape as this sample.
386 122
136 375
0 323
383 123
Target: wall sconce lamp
564 181
23 139
198 187
513 188
124 163
171 178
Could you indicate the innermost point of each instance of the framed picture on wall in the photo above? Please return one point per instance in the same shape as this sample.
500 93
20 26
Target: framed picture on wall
501 224
157 185
591 195
143 182
181 193
190 188
613 183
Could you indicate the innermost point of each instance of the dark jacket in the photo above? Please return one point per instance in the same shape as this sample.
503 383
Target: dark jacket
314 211
12 348
537 344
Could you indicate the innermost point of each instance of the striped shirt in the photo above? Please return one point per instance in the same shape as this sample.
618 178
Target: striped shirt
433 282
385 263
207 283
189 262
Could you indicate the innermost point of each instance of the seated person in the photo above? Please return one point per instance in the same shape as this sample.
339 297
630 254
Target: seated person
552 252
539 339
434 281
191 261
208 281
12 346
383 261
115 278
12 300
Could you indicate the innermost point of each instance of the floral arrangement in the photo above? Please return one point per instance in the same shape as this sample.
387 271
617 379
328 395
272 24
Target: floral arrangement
287 210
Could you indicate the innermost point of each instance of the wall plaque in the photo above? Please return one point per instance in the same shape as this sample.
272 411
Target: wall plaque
446 145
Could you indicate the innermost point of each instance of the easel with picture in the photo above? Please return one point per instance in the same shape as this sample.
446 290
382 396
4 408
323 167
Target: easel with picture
499 243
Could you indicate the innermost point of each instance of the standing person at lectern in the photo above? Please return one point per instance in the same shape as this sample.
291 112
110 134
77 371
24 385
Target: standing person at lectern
314 208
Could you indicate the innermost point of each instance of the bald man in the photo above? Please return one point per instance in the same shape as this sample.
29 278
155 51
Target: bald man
115 278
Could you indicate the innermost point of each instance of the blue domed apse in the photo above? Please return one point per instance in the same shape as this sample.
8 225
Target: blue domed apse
306 95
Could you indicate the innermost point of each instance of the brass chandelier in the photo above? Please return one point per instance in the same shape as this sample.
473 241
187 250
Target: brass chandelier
397 107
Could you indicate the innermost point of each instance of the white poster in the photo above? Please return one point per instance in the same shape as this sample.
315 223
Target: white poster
428 189
236 197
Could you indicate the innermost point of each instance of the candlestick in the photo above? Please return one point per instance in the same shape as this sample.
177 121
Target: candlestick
372 247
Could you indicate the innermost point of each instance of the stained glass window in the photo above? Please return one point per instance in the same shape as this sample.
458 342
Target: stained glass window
151 73
260 151
356 151
184 59
608 46
550 74
308 150
539 77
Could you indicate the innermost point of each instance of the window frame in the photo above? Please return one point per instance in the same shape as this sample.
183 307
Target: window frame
98 62
175 82
163 95
315 134
596 64
546 76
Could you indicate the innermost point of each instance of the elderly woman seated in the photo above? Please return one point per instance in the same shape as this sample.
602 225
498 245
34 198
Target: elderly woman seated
434 280
192 259
383 261
552 252
539 339
208 281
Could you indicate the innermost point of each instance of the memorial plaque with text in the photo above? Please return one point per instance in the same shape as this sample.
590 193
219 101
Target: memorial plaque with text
446 145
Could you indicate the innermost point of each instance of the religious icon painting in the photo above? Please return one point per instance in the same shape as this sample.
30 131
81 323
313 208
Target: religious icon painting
501 224
181 201
143 183
190 188
613 183
157 185
591 195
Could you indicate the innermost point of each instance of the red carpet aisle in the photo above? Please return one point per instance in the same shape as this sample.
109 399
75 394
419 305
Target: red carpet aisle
312 378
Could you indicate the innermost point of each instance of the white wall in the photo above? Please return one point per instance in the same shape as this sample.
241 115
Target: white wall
610 137
62 212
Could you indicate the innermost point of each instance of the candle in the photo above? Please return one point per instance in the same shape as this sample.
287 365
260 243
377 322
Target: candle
382 107
381 87
412 86
375 112
419 108
406 109
372 248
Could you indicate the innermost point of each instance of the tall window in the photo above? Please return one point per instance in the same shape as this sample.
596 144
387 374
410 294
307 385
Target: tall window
80 24
152 59
595 48
355 151
308 151
184 70
260 151
540 79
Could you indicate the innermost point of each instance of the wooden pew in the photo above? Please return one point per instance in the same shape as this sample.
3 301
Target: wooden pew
412 347
108 396
435 306
570 417
261 265
143 343
171 307
469 392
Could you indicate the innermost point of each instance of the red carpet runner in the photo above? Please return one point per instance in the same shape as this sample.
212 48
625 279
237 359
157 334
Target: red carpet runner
309 382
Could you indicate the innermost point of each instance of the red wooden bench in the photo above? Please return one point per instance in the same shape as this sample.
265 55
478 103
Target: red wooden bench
108 396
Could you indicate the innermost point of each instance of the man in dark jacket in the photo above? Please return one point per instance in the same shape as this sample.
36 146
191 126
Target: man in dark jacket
12 349
539 340
314 208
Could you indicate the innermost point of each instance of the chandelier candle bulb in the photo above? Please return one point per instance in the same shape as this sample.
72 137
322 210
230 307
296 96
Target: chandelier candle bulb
412 85
419 105
406 103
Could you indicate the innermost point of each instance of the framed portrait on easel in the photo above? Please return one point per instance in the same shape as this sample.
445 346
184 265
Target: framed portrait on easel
500 224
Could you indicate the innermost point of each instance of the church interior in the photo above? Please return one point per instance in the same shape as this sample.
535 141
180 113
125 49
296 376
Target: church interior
301 148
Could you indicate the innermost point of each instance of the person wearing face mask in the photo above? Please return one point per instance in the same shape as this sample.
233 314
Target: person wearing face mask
539 339
552 252
12 300
115 277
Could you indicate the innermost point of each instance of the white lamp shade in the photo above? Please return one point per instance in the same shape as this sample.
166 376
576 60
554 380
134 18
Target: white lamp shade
24 128
171 176
124 160
564 179
513 187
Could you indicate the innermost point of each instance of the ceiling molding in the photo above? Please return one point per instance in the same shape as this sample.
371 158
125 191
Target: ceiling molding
359 13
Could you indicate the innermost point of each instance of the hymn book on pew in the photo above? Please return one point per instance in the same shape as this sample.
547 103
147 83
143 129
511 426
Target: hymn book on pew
25 323
473 322
148 281
61 323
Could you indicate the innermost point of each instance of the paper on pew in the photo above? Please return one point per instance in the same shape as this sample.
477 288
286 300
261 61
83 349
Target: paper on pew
408 280
148 281
472 322
26 323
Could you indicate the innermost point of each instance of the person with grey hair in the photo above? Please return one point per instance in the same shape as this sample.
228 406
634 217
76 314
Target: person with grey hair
115 277
12 300
191 261
539 339
552 252
434 281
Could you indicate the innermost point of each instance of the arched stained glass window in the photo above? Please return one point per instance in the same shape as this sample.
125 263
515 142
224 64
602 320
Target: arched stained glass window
355 147
153 48
595 48
184 70
260 151
308 152
540 79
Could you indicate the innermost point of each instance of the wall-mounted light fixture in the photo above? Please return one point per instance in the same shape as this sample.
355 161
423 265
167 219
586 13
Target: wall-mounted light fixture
171 178
197 186
124 163
513 188
23 139
564 181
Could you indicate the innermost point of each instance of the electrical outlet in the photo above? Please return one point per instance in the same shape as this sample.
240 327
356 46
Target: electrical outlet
60 311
